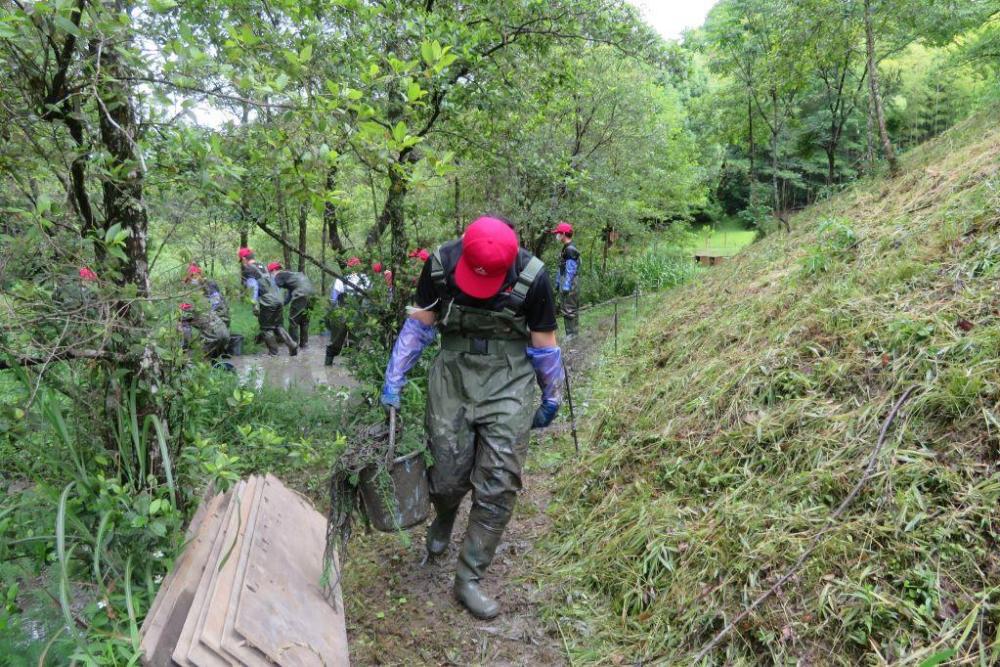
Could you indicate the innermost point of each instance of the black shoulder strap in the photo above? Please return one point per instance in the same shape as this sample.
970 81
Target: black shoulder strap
523 284
438 275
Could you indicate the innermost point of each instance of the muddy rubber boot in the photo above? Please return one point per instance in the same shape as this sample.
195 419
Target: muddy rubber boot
477 553
271 342
330 354
304 335
293 347
439 533
571 327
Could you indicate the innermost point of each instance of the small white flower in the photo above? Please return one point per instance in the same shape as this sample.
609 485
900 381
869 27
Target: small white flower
158 554
101 604
157 579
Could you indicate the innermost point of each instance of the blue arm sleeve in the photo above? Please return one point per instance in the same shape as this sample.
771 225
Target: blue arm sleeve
571 268
410 344
254 287
547 362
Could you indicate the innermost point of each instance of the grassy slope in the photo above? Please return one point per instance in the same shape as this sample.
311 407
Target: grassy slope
744 411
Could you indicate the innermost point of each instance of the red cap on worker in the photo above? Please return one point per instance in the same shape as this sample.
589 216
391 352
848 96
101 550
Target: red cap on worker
87 274
245 252
489 248
353 261
274 266
186 306
377 267
194 269
563 228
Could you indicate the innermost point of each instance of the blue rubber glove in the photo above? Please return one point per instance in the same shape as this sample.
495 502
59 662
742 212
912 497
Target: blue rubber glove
254 286
571 269
412 339
547 362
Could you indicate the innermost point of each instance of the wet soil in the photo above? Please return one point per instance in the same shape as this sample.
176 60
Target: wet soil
305 370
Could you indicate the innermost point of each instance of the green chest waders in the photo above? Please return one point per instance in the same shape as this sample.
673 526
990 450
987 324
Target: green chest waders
480 402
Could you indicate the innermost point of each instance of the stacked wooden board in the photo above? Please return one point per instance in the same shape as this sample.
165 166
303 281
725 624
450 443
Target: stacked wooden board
246 589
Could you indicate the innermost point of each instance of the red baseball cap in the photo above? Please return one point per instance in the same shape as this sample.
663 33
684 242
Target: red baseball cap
274 266
194 269
377 267
186 306
87 274
563 228
353 261
489 248
245 252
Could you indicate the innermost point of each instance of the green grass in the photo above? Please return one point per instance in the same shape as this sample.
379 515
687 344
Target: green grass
723 242
741 411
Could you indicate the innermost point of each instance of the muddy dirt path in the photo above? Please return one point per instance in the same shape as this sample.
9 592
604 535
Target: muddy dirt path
305 370
400 610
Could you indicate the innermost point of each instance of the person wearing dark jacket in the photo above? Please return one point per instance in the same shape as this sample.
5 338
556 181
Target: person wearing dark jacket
268 303
301 295
569 267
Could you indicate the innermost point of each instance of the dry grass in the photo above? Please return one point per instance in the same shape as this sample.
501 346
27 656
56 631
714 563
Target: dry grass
743 411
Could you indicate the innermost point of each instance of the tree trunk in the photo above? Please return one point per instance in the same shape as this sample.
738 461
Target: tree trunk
876 95
303 236
322 256
831 162
123 203
330 214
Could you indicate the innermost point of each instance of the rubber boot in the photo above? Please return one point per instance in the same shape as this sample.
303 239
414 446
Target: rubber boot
439 533
304 334
271 342
293 347
330 354
477 553
570 324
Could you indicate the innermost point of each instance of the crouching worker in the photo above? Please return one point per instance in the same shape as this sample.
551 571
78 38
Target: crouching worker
212 331
492 302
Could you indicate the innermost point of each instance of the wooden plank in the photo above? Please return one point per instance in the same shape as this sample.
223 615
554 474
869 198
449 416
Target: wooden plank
232 643
281 609
166 617
206 650
187 636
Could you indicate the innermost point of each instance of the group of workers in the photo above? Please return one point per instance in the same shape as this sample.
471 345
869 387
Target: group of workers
266 285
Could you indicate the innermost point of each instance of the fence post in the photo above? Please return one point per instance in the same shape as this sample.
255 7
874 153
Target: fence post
616 328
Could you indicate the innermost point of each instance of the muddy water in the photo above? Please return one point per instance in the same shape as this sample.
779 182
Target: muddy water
304 371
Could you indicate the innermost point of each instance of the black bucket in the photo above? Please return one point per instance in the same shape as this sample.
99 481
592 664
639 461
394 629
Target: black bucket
235 348
406 503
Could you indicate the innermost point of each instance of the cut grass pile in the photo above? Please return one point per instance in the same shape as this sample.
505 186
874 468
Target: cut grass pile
743 411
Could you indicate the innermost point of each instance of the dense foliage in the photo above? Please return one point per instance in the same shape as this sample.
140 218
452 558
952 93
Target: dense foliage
138 136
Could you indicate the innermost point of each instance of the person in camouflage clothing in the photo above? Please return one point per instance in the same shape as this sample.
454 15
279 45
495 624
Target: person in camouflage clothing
212 331
210 288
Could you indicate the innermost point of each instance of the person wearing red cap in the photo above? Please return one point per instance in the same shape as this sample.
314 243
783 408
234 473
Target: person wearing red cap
216 300
269 306
301 295
492 302
569 267
212 331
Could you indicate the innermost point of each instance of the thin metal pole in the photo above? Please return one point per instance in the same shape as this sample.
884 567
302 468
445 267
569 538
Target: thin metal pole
616 327
572 413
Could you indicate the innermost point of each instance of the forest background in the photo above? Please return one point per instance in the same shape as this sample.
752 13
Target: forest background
137 137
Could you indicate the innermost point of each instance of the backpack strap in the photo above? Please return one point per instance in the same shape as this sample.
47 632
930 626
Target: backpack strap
523 284
438 276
